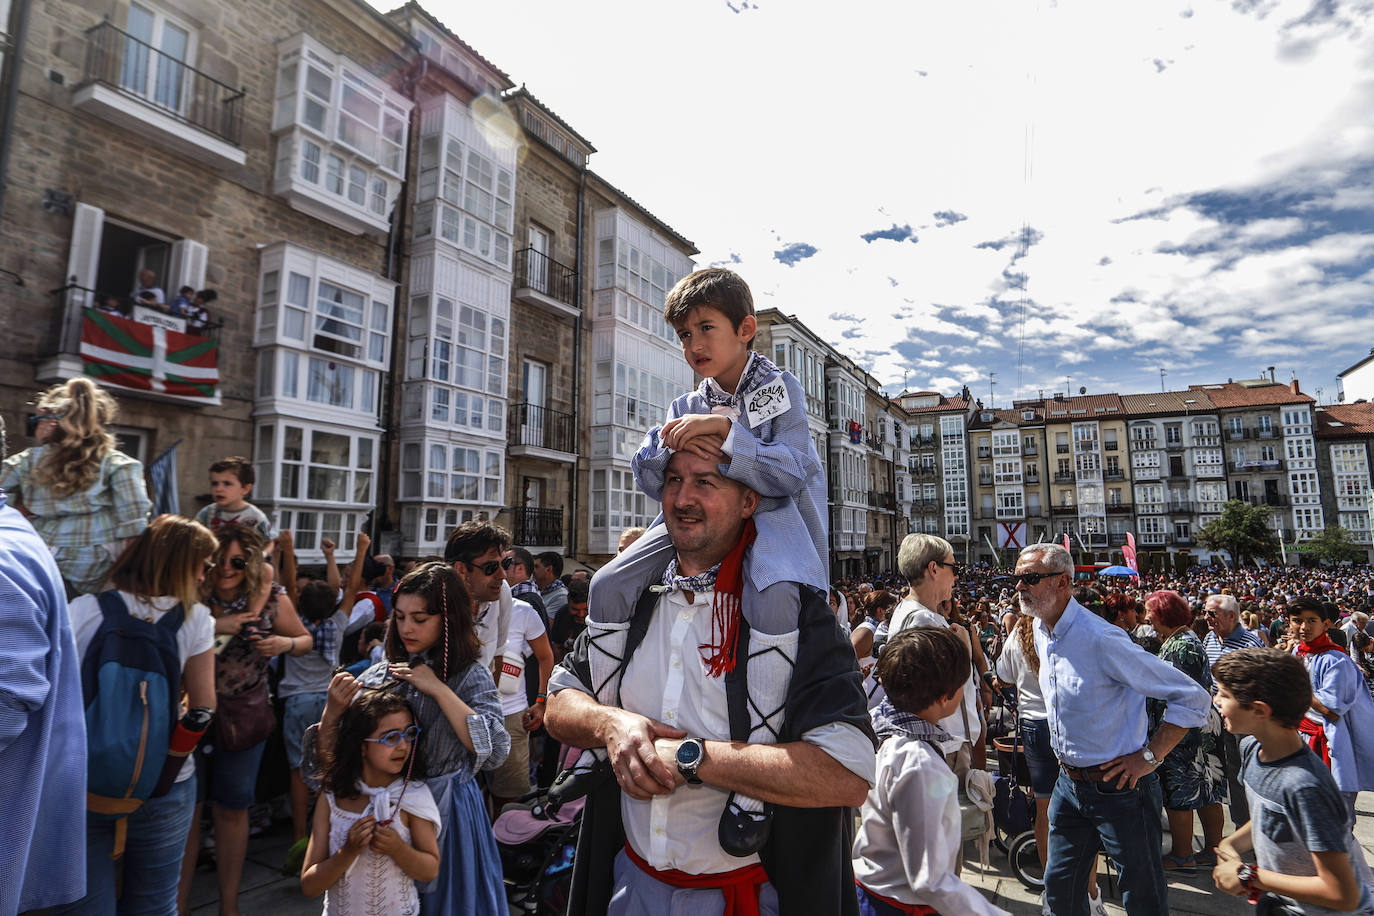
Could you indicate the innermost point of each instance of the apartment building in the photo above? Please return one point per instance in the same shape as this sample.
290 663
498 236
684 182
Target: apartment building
1089 466
256 149
1344 435
1176 463
1011 486
849 469
793 346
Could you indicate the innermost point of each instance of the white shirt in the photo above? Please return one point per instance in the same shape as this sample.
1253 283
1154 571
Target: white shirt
525 627
196 634
1012 668
912 613
493 625
910 833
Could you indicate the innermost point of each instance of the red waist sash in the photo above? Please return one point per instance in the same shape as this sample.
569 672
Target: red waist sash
911 909
740 886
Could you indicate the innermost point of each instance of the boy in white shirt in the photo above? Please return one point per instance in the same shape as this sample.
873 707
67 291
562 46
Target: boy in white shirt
908 843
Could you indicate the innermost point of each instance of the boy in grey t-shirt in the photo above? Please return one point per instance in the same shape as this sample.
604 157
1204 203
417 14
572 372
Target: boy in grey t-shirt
1299 828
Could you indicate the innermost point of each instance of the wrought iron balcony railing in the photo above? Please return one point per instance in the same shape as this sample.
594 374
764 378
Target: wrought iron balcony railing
542 427
541 273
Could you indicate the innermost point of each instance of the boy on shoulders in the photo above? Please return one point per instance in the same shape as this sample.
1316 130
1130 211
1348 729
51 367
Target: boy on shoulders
231 481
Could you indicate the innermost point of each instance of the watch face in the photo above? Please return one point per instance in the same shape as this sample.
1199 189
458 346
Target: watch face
688 754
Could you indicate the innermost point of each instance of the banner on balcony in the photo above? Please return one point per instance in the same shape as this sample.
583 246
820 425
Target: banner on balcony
123 353
856 432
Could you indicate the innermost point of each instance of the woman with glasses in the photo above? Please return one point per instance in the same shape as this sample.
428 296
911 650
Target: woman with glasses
254 621
157 575
84 496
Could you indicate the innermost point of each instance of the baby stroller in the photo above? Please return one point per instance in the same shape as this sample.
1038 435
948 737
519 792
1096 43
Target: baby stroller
536 841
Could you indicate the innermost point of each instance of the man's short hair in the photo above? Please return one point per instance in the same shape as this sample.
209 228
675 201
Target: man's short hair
1224 603
713 287
922 665
1269 676
524 558
578 590
472 539
552 560
237 465
1053 557
917 552
186 290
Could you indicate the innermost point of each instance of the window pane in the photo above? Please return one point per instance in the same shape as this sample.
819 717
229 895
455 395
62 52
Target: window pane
327 485
329 448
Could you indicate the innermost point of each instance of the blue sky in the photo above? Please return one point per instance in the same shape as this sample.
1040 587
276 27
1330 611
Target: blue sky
1034 194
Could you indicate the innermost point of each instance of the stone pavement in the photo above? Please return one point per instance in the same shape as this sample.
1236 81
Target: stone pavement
265 890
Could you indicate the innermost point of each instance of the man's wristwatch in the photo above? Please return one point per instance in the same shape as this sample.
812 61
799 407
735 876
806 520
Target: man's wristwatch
690 753
1149 756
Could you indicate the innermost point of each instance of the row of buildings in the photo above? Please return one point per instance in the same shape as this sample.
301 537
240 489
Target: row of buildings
432 309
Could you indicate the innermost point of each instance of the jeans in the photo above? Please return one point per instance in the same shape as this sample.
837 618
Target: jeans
1125 824
1235 789
151 862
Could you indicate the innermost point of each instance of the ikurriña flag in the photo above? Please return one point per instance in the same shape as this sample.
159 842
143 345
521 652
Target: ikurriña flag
129 354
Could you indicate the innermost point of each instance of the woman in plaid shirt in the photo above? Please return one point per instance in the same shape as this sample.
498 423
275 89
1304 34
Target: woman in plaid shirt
84 497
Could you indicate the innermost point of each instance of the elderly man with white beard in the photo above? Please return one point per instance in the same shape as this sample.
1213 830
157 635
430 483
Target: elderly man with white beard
1095 682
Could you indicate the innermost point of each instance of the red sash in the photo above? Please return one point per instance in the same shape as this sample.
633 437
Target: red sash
1313 733
911 909
740 886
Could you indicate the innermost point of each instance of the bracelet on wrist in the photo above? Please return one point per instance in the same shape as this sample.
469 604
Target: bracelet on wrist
542 698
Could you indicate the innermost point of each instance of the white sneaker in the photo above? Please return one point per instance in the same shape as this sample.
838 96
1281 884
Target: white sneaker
1095 905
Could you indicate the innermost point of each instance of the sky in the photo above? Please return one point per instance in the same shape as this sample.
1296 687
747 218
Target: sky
1023 197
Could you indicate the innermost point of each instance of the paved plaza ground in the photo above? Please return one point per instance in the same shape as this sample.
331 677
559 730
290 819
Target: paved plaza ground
265 890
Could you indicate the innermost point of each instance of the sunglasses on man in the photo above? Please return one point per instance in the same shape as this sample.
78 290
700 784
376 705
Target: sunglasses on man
1030 578
491 566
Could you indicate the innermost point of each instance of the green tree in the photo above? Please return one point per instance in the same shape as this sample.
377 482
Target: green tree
1334 545
1242 531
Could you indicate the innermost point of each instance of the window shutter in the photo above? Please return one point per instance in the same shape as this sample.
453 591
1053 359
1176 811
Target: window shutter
187 268
84 259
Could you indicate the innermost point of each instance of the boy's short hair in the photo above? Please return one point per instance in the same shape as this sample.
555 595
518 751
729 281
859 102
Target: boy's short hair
186 291
237 465
317 601
922 665
714 287
207 296
1269 676
1305 603
578 590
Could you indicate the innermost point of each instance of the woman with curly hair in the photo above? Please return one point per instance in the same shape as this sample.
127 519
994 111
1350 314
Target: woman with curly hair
1191 776
85 498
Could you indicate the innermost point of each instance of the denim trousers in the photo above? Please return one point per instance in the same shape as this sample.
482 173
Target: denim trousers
1087 816
152 858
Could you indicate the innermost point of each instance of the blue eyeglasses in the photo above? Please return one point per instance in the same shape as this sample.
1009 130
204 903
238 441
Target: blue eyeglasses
396 736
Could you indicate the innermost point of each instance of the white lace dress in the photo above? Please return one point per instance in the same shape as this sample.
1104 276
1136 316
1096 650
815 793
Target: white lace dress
374 884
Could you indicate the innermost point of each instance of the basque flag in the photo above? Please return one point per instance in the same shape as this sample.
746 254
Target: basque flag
130 354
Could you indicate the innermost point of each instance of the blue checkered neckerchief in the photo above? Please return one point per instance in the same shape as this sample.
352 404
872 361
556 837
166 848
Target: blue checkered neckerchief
888 721
757 369
701 582
326 636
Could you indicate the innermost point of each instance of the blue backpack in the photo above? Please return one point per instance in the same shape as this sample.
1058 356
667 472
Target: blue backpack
130 683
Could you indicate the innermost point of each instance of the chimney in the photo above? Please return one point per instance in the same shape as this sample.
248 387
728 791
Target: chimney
1293 387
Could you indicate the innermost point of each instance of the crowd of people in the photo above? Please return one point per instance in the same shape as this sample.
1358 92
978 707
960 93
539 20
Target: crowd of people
732 741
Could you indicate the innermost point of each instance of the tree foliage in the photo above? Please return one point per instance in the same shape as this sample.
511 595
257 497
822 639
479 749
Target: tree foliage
1242 531
1334 545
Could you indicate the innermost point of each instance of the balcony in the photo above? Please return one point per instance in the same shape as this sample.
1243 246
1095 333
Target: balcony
1118 508
920 471
1184 540
984 480
1277 500
544 283
1235 434
1034 512
1262 466
1144 445
160 98
1116 540
1114 474
1062 449
1180 508
1265 433
541 432
126 352
1064 477
1109 446
984 452
1173 446
1030 451
533 528
1064 509
880 500
987 512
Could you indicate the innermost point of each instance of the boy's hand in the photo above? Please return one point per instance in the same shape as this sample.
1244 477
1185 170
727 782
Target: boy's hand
230 624
361 834
285 540
679 431
1225 876
327 547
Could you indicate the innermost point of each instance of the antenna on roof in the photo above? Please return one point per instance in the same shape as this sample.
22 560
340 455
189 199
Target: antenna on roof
1162 372
992 383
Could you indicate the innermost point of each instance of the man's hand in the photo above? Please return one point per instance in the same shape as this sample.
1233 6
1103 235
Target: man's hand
630 738
1126 770
364 542
327 547
667 752
533 719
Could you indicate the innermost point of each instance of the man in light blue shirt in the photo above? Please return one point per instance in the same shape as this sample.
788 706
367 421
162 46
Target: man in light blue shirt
1095 681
